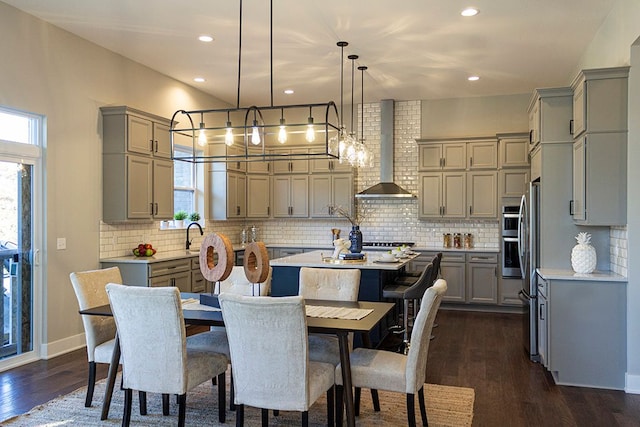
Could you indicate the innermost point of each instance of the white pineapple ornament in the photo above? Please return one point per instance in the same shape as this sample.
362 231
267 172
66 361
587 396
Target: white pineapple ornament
583 255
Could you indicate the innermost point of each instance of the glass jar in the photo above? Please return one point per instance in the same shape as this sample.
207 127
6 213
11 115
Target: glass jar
457 240
446 240
468 240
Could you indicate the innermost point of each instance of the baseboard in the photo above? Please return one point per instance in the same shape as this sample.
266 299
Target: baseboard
632 384
65 345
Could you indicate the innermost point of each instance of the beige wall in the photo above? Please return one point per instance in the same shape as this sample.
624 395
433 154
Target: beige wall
66 79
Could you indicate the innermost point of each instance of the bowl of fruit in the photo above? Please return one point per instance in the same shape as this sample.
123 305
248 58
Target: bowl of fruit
144 250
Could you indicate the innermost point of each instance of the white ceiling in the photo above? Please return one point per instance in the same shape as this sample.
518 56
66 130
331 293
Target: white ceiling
415 49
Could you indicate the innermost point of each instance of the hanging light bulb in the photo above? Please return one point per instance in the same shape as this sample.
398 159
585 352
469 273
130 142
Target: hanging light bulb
310 135
228 136
282 133
202 136
255 134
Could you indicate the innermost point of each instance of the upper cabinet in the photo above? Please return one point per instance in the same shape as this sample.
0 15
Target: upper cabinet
513 150
286 165
600 147
482 155
137 170
600 100
443 156
549 116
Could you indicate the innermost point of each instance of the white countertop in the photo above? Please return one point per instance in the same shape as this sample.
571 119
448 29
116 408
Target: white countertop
315 259
596 276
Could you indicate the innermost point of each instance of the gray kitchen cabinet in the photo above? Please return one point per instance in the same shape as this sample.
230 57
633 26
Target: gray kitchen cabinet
327 190
482 154
482 194
534 122
442 195
513 149
513 182
441 156
286 166
322 165
258 196
482 278
228 195
175 272
284 252
198 282
508 291
137 175
290 196
550 111
224 150
452 269
583 331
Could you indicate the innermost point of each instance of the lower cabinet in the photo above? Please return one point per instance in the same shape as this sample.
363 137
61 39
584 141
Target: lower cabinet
508 291
471 277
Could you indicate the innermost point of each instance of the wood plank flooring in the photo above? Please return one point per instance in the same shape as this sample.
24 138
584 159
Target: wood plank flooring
478 350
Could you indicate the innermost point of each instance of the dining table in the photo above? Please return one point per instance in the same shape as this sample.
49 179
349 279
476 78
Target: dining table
336 317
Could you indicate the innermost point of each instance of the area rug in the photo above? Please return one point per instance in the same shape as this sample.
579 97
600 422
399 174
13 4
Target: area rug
446 406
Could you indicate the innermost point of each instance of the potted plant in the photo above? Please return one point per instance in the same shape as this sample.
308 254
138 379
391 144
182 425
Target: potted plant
194 217
178 218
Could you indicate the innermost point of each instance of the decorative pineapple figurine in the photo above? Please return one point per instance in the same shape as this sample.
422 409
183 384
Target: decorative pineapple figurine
583 255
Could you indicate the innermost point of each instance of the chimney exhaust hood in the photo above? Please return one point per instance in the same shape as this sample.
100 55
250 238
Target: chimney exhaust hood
386 189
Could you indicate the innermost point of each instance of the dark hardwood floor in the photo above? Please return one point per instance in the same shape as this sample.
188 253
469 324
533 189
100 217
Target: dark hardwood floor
478 350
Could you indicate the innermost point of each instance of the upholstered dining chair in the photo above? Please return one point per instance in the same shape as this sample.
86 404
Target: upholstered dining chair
100 332
155 355
269 354
385 370
334 284
237 283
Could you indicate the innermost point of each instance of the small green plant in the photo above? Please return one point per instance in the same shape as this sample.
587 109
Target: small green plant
194 217
180 215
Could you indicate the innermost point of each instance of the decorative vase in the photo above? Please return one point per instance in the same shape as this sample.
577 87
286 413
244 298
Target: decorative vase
583 255
178 223
355 237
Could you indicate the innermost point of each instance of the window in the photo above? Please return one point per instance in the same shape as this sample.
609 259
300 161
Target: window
184 183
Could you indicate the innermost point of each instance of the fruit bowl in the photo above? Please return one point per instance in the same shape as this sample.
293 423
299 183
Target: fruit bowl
143 250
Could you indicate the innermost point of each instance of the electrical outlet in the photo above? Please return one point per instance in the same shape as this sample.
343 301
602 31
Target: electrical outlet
61 243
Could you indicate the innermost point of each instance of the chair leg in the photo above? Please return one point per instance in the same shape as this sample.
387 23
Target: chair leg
411 410
142 397
232 400
265 417
356 401
182 409
222 410
239 415
305 419
126 416
339 405
375 399
91 384
423 408
331 410
165 404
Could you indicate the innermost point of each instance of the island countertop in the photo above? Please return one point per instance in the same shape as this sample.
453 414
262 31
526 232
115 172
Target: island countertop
315 259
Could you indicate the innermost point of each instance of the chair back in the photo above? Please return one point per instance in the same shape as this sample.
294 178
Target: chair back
425 280
436 266
152 338
420 336
336 284
269 350
89 287
237 283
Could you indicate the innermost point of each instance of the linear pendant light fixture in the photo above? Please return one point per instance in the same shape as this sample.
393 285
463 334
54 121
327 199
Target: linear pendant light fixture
255 130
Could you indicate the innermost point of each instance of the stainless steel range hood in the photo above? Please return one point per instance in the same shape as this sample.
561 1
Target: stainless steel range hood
386 189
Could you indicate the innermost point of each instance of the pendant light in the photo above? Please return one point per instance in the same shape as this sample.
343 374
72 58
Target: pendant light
228 135
202 136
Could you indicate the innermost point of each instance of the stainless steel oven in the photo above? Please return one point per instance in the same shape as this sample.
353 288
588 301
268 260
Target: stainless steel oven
510 256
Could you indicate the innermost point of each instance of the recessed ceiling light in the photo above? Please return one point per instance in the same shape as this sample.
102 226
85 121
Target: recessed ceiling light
470 11
199 79
473 78
205 38
288 91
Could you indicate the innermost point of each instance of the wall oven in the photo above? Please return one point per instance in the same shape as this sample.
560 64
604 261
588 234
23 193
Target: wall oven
510 256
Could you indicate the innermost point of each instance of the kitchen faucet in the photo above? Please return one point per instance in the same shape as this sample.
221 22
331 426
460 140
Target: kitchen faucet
189 241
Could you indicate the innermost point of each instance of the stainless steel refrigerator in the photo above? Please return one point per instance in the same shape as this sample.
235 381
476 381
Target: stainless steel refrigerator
528 251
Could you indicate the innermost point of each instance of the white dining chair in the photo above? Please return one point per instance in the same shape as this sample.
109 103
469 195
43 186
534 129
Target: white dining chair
237 283
391 371
155 355
269 354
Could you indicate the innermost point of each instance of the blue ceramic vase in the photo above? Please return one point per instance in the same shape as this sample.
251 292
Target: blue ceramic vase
355 237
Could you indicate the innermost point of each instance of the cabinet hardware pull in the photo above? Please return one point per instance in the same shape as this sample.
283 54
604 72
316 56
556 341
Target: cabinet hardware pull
541 311
471 161
156 146
268 210
571 127
470 210
151 145
530 136
156 209
151 210
571 207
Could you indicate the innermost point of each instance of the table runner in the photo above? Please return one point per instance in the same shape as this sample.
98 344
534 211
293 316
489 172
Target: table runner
337 312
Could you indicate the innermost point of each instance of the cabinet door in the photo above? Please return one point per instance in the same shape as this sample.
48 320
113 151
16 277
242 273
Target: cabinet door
300 196
163 189
534 124
483 155
140 187
579 100
236 195
140 135
578 202
482 283
258 196
198 282
162 140
237 166
508 292
482 190
430 157
259 167
342 189
430 195
281 196
513 182
514 153
543 338
454 194
320 195
454 274
454 156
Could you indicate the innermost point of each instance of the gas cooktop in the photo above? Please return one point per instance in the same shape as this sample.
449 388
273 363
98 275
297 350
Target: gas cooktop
387 244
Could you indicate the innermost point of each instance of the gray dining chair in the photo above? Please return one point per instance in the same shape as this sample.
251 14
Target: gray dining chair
391 371
155 355
270 357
